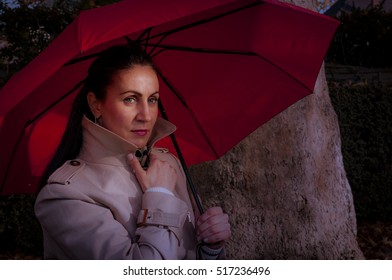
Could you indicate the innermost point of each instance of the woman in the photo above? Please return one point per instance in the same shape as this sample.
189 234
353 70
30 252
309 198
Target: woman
108 193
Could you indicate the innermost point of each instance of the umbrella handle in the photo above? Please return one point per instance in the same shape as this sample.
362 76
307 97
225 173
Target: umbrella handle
182 161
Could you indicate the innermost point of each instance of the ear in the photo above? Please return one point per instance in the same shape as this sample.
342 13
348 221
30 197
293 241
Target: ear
94 104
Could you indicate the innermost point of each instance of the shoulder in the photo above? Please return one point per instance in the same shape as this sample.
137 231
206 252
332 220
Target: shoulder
64 174
67 183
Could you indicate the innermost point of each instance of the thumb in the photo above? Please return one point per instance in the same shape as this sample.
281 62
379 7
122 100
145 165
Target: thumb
137 169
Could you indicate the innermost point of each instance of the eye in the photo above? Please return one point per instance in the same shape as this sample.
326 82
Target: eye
153 99
129 99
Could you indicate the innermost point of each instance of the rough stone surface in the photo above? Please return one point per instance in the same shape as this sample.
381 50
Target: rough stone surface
285 187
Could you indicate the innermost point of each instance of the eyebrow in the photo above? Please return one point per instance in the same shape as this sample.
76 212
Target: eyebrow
137 93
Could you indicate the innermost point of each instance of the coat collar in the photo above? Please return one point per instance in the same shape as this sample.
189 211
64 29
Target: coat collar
100 145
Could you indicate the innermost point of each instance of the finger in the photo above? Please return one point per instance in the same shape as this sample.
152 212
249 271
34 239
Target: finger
137 169
153 157
216 234
216 226
213 211
220 232
222 235
213 221
134 163
213 230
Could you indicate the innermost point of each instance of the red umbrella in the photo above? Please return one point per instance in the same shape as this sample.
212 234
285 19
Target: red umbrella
226 67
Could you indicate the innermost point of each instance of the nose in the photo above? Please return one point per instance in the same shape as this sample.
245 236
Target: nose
144 112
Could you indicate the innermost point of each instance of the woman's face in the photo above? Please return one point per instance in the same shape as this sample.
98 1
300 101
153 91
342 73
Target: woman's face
130 108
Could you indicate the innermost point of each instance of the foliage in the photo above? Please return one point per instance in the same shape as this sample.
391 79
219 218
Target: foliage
375 239
324 5
365 119
28 37
83 5
19 228
363 39
29 26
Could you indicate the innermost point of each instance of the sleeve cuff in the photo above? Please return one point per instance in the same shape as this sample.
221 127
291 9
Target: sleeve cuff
206 253
159 190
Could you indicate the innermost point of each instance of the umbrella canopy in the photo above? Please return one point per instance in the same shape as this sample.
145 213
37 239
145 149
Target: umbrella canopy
225 68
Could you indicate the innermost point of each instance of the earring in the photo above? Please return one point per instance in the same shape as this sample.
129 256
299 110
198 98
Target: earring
96 120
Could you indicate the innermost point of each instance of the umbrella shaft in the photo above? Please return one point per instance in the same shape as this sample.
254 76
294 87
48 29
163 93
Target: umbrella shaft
183 163
187 174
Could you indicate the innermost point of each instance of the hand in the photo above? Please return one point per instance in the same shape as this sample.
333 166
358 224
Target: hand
213 227
158 174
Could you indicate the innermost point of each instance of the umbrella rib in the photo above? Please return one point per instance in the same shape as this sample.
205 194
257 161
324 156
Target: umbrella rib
206 20
163 35
32 120
284 71
164 47
223 51
147 32
80 59
178 95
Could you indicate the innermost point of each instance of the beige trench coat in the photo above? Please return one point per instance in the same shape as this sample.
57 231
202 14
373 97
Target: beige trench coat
90 206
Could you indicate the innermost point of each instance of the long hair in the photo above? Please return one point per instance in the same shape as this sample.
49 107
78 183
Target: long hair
100 76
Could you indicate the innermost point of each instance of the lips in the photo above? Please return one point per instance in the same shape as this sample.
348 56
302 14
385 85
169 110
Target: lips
140 132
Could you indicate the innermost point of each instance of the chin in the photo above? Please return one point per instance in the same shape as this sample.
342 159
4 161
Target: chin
138 143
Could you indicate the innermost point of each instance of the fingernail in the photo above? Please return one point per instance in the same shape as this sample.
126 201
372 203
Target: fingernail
130 156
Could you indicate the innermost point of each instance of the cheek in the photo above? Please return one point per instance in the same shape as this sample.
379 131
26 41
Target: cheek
155 113
117 117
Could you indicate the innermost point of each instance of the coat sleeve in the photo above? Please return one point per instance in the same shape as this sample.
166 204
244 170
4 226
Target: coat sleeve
203 251
89 231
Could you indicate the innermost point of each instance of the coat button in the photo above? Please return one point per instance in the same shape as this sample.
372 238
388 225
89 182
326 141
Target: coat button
75 163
